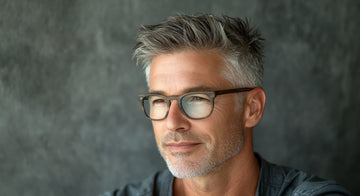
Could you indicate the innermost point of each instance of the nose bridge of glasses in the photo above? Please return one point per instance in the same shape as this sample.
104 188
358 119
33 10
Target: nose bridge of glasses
174 97
179 104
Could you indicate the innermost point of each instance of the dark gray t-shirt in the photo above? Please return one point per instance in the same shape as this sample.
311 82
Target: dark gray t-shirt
274 180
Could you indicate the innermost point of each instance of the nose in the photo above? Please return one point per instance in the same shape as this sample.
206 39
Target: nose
176 120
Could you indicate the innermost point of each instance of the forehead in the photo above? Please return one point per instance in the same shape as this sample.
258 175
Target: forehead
176 72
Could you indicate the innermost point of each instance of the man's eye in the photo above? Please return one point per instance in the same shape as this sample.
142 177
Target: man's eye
198 99
158 101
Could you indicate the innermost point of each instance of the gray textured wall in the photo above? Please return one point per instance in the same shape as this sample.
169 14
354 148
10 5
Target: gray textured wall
70 123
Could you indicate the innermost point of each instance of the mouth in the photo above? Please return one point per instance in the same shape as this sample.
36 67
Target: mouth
176 147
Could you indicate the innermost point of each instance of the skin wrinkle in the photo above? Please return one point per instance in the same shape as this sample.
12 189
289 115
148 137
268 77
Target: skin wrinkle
232 72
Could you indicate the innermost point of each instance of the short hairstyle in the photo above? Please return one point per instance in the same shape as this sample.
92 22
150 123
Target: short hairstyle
234 38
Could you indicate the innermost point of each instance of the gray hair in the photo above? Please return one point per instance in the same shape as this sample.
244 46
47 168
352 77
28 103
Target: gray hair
234 38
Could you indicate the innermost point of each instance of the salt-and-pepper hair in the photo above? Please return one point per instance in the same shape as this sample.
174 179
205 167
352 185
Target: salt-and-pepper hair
234 38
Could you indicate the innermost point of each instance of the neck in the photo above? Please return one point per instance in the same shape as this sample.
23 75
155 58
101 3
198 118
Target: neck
237 176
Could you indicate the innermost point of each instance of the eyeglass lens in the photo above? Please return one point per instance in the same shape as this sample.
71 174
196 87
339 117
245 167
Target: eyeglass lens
194 105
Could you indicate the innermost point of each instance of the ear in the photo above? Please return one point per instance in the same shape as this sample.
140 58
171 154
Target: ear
254 105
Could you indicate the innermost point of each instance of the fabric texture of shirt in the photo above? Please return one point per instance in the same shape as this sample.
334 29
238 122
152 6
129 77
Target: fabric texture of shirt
274 180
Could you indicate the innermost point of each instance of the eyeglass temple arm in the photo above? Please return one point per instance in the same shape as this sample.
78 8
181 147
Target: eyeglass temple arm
236 90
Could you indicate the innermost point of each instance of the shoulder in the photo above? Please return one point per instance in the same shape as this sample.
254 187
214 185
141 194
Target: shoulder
159 183
280 180
320 187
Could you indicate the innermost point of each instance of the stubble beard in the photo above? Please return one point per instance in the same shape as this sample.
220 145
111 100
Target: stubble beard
181 167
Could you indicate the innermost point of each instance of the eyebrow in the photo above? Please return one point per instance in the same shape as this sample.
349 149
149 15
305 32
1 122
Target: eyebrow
188 90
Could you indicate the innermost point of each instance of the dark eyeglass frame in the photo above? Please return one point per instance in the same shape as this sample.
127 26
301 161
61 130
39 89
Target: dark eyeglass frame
210 94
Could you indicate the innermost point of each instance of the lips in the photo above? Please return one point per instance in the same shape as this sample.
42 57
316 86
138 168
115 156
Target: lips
181 146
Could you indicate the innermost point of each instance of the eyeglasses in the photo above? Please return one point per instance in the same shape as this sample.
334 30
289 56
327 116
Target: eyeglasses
195 105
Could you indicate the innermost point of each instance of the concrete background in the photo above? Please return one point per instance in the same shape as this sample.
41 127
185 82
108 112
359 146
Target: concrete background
70 123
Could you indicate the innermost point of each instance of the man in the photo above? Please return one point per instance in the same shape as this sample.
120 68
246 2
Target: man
205 75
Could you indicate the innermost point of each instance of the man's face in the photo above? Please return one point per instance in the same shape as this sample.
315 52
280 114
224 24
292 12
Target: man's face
194 148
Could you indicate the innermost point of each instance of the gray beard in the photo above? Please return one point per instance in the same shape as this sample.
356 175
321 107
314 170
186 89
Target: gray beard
180 167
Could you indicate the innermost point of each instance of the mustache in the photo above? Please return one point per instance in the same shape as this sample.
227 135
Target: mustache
179 136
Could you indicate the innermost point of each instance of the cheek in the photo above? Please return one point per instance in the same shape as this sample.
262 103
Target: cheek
212 127
224 119
222 112
227 113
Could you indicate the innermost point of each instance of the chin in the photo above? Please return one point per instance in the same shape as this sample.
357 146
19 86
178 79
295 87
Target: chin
181 167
